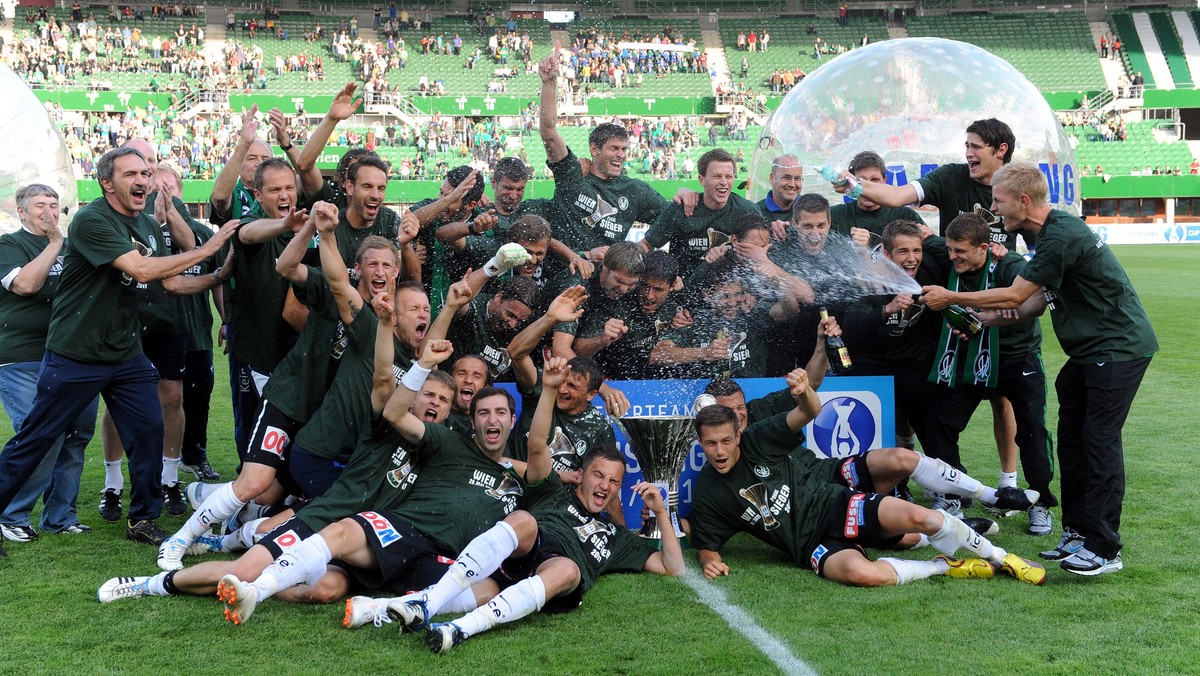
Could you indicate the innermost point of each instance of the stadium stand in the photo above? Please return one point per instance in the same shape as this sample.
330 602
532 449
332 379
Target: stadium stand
1133 54
1142 147
1054 50
1168 39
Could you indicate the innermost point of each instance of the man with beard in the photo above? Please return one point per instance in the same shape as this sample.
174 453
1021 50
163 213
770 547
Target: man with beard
93 344
471 374
366 183
462 488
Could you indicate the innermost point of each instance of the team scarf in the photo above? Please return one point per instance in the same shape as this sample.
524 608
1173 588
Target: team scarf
983 351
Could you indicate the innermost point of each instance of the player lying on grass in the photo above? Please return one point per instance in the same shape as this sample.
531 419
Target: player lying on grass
543 559
878 470
462 488
752 483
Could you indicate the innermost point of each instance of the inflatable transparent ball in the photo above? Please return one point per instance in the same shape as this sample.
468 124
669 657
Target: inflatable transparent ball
911 100
31 151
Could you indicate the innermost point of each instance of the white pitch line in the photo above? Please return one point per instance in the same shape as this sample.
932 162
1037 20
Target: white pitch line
775 650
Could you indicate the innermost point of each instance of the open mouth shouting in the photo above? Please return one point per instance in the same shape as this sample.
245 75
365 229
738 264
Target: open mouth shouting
429 415
598 499
492 436
465 394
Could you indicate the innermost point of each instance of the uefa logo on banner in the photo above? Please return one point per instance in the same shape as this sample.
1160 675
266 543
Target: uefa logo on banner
849 424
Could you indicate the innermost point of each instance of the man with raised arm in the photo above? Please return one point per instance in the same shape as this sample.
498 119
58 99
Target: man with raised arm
93 345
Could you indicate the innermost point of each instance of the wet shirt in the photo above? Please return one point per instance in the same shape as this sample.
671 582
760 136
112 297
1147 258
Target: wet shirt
597 212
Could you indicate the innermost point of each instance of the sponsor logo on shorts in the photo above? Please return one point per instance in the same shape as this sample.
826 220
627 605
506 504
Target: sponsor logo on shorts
850 473
274 441
287 539
384 530
855 515
815 560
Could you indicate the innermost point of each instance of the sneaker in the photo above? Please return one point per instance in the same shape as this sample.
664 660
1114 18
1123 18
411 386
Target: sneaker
947 504
123 588
202 471
442 636
173 496
195 493
76 529
978 569
18 533
110 504
413 615
240 598
1070 543
981 525
147 531
171 551
206 544
1011 498
1086 562
1040 521
1023 569
363 609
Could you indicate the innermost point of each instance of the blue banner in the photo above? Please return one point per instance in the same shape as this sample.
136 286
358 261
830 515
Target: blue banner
857 414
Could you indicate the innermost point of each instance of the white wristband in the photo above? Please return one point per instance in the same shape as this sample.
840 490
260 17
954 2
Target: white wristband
415 377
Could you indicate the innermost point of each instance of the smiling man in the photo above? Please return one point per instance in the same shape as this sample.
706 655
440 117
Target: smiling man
862 213
718 210
94 344
787 182
960 187
753 484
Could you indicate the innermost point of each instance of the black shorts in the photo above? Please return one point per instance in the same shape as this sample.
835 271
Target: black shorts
405 559
515 569
312 474
853 524
853 473
286 536
168 353
271 437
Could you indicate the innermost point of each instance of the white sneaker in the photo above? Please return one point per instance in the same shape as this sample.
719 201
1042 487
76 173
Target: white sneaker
1086 562
206 544
195 493
1040 521
947 504
240 598
363 609
171 551
413 615
123 588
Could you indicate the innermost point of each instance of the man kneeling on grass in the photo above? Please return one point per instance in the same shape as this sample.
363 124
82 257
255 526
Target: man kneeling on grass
542 559
752 484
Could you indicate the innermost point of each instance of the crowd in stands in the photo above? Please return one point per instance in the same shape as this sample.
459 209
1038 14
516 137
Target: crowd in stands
1092 125
598 57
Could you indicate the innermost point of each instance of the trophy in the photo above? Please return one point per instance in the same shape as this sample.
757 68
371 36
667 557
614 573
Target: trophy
661 445
716 238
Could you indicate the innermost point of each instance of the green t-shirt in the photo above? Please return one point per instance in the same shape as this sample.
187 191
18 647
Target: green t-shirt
459 492
769 494
344 416
597 212
470 334
688 236
629 357
594 544
349 238
570 435
261 337
951 189
303 377
1097 314
849 215
1015 339
197 307
597 310
95 315
381 471
748 355
24 320
460 421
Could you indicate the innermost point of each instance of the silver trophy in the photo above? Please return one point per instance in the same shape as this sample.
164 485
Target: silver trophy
661 445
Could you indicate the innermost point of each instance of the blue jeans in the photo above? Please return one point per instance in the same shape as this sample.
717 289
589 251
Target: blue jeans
56 478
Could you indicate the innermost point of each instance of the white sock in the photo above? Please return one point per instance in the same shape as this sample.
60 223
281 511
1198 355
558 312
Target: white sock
478 559
295 567
113 478
170 471
939 477
523 598
463 603
907 571
988 496
1007 479
206 490
248 534
155 587
220 504
955 535
922 541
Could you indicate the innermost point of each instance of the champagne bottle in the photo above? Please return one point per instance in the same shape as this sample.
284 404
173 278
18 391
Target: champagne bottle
963 319
830 174
835 350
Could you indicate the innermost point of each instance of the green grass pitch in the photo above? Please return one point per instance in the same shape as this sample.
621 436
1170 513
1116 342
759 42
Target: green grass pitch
1142 620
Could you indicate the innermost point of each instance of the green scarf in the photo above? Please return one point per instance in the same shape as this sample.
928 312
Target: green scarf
983 351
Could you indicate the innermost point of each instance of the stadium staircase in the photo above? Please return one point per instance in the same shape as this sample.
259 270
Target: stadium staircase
718 64
1189 41
1152 49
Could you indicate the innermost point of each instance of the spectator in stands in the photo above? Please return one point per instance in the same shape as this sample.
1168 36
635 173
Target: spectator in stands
764 40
